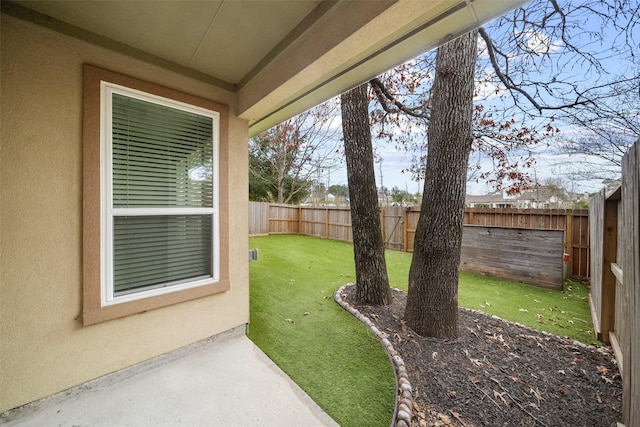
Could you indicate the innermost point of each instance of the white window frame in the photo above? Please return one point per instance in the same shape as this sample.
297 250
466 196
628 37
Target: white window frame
108 212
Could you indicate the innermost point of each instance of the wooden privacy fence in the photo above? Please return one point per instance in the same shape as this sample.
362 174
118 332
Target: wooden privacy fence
398 226
528 255
615 278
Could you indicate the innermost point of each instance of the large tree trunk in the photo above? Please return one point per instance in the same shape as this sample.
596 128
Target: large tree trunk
432 300
372 282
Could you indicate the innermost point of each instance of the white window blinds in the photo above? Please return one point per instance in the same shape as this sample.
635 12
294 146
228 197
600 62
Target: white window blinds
162 198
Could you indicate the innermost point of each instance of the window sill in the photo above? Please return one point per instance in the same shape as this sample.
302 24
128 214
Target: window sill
93 315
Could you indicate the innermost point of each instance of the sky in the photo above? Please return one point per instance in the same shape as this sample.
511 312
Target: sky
548 165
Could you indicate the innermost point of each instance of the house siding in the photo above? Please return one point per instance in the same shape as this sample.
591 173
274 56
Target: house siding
44 347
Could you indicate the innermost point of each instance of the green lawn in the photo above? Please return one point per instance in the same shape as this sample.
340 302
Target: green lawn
324 349
333 357
564 313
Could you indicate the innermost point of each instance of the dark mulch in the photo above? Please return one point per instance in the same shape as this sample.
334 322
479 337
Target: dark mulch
501 374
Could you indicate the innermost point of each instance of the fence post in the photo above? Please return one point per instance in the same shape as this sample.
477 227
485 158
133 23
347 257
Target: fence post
405 243
382 227
326 223
609 249
568 241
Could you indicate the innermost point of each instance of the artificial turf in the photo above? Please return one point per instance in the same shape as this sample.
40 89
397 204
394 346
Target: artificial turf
335 358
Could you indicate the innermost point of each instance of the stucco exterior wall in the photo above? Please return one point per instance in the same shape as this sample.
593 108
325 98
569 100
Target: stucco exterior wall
44 348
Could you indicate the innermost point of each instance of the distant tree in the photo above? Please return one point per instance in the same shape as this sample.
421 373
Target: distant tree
401 197
285 160
339 190
318 193
265 185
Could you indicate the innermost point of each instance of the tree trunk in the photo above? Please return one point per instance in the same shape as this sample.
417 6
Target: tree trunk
372 282
432 300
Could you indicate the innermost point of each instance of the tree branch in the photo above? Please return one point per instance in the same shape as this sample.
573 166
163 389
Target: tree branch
384 96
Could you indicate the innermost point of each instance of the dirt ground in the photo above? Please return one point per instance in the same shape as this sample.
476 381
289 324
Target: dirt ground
501 374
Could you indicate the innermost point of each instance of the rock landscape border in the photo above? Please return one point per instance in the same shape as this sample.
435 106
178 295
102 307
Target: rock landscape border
404 401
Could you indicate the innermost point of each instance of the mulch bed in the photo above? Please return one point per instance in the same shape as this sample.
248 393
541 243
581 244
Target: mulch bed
498 373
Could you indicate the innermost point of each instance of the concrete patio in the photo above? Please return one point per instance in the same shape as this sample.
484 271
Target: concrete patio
222 381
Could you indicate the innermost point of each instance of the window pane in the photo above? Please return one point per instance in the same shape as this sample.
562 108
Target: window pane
159 250
162 156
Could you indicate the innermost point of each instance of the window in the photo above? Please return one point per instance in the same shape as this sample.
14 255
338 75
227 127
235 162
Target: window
156 157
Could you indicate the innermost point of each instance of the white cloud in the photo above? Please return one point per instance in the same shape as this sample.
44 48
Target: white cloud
538 43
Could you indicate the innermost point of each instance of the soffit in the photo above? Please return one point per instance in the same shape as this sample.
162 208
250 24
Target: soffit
222 39
279 57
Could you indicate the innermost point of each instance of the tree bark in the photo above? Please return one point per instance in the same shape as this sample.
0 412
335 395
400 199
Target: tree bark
432 300
372 282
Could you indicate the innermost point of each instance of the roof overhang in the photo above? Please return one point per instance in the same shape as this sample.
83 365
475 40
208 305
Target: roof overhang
279 57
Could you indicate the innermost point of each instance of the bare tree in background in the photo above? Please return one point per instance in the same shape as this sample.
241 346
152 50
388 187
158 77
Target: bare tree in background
574 65
288 158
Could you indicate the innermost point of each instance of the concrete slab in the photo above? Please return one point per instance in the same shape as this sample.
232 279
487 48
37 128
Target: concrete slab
224 381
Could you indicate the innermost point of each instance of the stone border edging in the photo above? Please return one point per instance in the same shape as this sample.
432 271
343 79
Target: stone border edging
404 394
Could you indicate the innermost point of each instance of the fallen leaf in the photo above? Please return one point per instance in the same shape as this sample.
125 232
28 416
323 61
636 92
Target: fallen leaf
476 379
524 310
515 379
453 394
444 418
602 369
536 393
606 380
539 302
306 313
288 320
476 362
457 417
434 355
487 304
562 372
499 395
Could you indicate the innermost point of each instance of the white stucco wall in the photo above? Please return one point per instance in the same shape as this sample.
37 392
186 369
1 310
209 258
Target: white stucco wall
44 348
